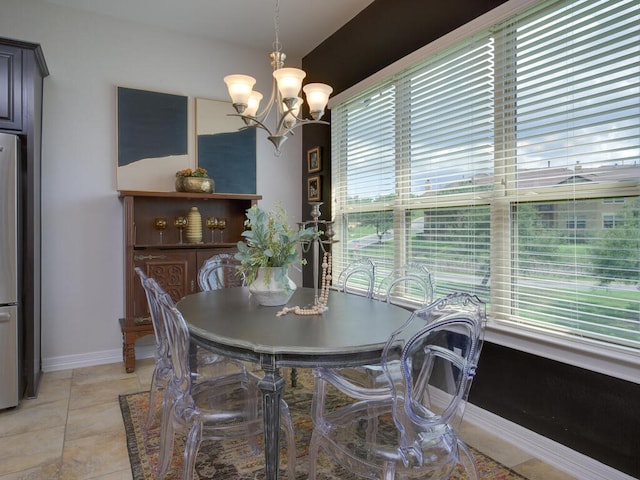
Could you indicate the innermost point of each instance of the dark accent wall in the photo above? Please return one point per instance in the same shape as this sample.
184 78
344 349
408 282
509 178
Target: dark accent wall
594 414
591 413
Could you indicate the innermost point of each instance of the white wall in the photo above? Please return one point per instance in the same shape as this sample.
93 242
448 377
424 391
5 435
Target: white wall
88 56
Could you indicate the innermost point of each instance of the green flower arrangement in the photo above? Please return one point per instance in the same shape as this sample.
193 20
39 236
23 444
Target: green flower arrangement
269 241
198 172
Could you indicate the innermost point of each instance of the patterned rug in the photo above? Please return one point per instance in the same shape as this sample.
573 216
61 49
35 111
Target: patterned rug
232 460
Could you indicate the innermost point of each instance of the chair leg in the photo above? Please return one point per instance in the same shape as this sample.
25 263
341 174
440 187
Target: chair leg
152 414
389 471
191 447
254 399
166 438
290 436
314 448
372 429
466 459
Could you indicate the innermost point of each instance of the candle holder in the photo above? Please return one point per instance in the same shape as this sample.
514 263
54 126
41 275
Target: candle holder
212 225
160 224
222 224
316 244
322 228
180 223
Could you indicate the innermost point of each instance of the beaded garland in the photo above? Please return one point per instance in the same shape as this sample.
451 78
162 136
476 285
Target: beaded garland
323 298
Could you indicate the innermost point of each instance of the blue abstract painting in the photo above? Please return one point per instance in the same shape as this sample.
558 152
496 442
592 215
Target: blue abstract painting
150 125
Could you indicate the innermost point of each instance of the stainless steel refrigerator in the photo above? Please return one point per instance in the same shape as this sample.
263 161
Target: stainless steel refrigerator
9 273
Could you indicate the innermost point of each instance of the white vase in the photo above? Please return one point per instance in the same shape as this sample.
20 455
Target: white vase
270 289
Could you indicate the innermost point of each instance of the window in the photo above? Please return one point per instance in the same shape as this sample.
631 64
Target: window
610 220
576 221
509 164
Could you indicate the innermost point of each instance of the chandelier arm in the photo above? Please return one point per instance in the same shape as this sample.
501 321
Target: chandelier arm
284 131
274 96
253 120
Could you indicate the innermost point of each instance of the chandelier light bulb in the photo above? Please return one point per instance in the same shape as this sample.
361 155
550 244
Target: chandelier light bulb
240 88
253 104
291 117
289 81
317 97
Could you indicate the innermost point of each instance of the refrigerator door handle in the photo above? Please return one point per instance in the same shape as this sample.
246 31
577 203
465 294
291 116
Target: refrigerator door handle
4 317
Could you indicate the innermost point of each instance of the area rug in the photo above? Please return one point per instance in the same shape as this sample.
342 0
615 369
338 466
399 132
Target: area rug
232 460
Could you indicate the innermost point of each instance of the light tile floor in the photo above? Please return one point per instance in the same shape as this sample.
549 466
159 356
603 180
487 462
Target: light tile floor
74 430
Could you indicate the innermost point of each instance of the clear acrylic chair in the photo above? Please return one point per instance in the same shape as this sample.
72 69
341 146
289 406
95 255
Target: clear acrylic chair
409 428
358 277
219 407
411 284
220 271
162 371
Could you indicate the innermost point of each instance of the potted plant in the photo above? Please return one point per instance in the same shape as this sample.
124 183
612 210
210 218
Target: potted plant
269 248
194 181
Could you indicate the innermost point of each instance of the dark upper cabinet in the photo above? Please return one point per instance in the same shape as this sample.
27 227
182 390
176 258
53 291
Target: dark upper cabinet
10 88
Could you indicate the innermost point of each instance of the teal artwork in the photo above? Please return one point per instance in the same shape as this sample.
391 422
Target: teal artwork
230 159
226 148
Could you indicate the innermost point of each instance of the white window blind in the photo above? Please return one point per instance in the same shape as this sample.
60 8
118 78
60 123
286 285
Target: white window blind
509 164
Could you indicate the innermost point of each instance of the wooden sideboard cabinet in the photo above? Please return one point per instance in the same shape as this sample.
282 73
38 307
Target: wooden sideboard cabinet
173 264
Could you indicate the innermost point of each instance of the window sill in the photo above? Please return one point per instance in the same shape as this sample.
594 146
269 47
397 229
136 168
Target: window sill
614 361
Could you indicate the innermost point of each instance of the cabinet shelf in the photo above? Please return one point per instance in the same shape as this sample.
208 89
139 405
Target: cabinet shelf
189 195
172 264
184 246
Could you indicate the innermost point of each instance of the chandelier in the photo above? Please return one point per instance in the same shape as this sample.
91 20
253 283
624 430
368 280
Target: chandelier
285 96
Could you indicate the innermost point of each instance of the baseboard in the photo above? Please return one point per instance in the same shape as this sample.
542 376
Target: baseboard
104 357
555 454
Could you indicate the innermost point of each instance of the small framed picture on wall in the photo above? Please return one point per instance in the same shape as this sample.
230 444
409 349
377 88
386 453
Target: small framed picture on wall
313 188
314 160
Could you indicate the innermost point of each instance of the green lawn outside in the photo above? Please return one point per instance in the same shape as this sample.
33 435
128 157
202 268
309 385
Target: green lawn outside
599 307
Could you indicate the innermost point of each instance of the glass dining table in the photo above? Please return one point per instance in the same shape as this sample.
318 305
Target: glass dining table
351 332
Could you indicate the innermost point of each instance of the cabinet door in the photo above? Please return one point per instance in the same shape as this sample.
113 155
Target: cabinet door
11 95
175 271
